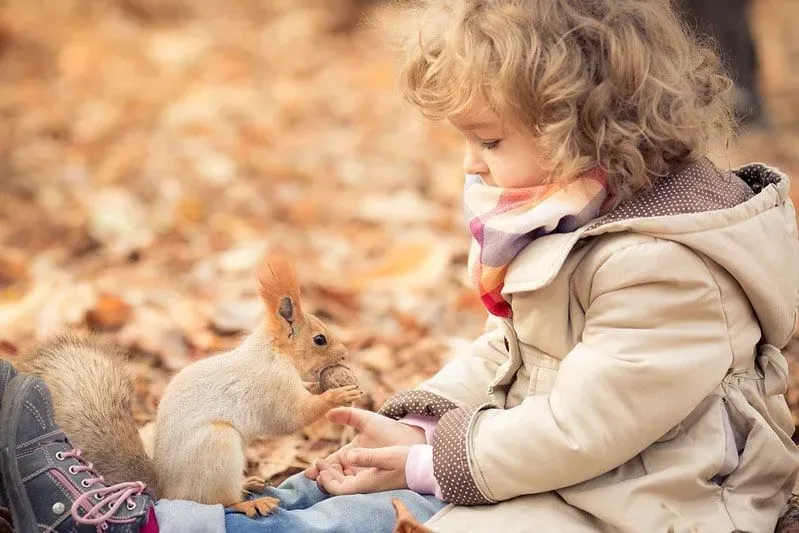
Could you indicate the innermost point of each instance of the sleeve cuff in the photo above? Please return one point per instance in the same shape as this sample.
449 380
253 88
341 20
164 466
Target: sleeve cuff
425 423
451 457
419 471
416 402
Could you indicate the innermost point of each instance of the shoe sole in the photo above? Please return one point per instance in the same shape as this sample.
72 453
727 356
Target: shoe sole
21 510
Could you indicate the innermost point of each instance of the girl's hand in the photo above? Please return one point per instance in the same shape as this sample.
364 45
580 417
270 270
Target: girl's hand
375 431
371 470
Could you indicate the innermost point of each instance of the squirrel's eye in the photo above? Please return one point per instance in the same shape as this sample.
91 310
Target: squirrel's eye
320 340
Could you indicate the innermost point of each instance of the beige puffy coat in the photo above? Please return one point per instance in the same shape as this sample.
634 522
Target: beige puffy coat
639 385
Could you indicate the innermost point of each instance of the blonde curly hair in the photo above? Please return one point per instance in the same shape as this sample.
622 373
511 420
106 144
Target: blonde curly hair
616 84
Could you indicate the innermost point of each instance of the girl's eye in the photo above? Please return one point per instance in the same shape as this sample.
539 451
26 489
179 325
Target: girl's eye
320 340
489 145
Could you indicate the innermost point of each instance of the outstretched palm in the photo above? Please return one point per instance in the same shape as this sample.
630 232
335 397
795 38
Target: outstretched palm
374 431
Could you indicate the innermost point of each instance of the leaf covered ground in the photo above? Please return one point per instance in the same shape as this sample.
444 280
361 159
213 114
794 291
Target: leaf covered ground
152 151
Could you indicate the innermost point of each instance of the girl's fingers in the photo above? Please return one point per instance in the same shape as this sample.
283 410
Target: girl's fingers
312 472
377 428
337 475
319 466
391 458
330 479
320 486
351 416
336 483
325 482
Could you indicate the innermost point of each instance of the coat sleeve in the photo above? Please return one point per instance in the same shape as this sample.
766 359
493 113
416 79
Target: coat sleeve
463 382
655 344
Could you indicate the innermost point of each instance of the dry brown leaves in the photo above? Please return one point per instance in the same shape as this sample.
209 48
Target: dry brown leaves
152 151
406 522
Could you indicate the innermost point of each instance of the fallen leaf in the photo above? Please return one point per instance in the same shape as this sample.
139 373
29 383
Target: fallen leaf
232 316
274 456
13 267
244 258
406 522
109 312
8 348
149 330
379 358
119 221
408 265
67 306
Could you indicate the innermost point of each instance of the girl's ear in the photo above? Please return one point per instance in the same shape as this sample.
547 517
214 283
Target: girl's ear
280 291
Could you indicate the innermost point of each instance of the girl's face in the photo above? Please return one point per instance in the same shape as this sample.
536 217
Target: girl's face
501 156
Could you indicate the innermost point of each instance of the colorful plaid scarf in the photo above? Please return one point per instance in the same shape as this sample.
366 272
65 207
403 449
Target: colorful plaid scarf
504 221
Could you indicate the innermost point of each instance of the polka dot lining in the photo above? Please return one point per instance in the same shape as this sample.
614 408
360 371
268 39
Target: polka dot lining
758 176
416 402
451 460
697 188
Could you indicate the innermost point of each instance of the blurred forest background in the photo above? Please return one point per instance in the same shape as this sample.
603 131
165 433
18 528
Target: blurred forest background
152 150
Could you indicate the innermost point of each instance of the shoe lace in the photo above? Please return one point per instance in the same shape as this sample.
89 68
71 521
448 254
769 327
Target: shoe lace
112 496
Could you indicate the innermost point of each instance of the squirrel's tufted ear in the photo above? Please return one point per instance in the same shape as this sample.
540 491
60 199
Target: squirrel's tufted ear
280 290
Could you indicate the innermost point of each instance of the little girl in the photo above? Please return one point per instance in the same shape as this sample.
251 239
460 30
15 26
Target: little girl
630 377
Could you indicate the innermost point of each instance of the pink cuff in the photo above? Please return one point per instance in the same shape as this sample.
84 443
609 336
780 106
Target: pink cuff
419 471
427 423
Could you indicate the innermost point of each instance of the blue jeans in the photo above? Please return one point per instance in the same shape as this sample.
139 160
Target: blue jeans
304 508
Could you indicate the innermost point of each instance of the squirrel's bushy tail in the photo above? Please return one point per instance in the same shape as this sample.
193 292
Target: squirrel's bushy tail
92 398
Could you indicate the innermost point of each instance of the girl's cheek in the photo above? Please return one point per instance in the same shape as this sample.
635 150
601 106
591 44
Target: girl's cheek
531 176
523 181
508 178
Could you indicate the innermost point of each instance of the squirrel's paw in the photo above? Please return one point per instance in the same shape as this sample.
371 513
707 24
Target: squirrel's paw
262 506
344 395
254 485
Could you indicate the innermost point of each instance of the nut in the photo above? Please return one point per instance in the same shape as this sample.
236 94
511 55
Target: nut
336 376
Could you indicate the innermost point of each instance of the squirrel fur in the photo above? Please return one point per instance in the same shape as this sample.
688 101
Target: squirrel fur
93 403
210 410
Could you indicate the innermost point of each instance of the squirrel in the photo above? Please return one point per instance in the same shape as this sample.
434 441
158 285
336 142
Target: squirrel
209 411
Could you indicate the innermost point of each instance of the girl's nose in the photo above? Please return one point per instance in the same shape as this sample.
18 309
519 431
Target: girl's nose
473 163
